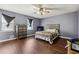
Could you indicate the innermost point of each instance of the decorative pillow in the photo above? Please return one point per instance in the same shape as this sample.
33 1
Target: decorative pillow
52 30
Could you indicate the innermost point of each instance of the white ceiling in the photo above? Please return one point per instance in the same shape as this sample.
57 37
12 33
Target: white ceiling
27 9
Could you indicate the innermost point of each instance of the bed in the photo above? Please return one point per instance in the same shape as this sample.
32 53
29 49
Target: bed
50 34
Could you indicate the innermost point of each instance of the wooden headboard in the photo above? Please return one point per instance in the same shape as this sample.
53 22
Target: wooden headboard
53 26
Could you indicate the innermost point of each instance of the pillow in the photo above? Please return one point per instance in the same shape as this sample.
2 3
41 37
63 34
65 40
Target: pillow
51 30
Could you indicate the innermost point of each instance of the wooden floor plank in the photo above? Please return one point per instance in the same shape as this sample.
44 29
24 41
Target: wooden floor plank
33 46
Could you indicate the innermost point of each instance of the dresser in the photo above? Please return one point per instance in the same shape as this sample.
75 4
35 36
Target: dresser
21 31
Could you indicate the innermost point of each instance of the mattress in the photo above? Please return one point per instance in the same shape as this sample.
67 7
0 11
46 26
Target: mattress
46 33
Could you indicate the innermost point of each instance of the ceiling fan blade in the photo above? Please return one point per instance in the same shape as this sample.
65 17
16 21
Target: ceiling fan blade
46 11
53 8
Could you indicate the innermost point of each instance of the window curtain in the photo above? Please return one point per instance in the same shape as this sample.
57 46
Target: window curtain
30 22
8 19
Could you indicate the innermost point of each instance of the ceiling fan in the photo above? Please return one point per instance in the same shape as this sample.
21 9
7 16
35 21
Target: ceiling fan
42 9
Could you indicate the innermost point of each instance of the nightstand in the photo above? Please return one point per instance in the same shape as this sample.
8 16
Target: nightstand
70 48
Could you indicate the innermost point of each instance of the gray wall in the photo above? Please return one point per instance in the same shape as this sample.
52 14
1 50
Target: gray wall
19 19
0 24
68 23
78 24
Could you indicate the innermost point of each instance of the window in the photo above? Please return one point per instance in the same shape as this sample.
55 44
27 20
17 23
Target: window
4 25
29 25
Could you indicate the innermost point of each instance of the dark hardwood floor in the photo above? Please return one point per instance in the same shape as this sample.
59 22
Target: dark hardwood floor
33 46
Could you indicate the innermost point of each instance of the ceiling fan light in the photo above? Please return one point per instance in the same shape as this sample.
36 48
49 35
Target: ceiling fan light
41 10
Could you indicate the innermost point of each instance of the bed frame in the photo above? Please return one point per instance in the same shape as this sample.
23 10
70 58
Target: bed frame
50 26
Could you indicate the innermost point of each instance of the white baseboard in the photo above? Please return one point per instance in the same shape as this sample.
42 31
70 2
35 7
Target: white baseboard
7 39
30 35
14 38
65 37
